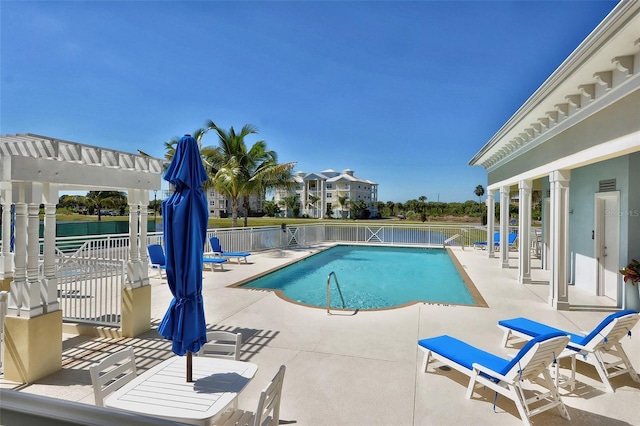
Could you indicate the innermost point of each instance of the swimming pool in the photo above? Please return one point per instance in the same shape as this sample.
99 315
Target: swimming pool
372 277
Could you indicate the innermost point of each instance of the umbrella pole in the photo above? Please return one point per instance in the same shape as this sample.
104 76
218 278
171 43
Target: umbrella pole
189 367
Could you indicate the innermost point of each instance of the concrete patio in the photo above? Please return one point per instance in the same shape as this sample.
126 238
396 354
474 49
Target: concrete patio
364 368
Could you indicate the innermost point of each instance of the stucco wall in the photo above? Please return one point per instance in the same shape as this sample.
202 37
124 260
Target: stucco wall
634 207
583 187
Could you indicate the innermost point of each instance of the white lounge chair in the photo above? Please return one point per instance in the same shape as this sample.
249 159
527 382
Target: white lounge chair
502 375
268 410
112 373
222 344
601 348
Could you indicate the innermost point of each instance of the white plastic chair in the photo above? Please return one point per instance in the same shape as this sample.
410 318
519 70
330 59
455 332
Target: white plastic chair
112 373
268 410
222 344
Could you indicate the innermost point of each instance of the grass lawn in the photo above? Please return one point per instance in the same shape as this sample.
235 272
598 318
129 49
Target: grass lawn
253 221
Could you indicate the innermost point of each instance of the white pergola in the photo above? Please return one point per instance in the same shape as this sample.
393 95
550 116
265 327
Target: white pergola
34 170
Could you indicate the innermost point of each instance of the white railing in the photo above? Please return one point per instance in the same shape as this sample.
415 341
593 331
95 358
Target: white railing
91 270
22 408
90 290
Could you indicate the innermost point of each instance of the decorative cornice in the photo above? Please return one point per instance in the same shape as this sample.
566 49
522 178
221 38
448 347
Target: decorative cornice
588 91
624 64
604 78
574 100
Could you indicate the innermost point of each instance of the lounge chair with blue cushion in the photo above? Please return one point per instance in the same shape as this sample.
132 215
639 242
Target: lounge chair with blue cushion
496 241
159 261
216 249
212 262
156 258
483 244
502 375
601 347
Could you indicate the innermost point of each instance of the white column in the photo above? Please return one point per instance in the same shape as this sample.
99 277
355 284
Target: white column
6 258
524 232
559 239
144 256
504 228
19 283
49 284
133 266
32 300
491 221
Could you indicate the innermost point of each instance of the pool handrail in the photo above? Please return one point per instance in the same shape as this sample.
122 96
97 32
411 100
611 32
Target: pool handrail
335 277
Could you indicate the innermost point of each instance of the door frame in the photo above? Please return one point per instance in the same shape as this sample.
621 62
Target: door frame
600 213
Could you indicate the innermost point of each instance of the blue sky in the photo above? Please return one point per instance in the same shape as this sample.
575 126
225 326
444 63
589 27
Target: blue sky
403 93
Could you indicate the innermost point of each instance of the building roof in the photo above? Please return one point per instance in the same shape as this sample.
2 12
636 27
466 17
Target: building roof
601 70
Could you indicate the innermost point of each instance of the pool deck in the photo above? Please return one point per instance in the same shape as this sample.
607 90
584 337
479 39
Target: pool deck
364 368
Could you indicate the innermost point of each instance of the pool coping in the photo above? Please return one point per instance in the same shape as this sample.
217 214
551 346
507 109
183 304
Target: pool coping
479 301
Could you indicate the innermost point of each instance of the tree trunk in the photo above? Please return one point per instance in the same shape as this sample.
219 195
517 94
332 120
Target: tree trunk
245 204
234 212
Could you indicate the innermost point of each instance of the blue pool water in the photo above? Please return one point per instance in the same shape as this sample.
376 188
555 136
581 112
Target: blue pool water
371 278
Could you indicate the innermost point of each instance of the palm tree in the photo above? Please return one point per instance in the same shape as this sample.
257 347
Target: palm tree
237 172
289 202
391 205
101 199
479 191
205 152
313 199
343 200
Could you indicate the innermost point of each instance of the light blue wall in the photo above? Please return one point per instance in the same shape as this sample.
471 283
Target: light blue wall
634 207
584 185
632 293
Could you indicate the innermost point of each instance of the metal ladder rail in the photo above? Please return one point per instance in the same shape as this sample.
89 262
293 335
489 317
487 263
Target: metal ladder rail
448 240
335 277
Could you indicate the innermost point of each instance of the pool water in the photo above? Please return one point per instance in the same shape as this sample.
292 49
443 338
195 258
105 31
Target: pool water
371 277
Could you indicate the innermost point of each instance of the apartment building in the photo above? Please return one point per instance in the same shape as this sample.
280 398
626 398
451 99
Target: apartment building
319 193
220 206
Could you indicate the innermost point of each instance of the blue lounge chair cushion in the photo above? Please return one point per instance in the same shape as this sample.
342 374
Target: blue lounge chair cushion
466 355
214 260
463 353
156 255
496 240
534 329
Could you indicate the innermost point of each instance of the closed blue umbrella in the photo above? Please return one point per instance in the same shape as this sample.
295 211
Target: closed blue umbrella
185 217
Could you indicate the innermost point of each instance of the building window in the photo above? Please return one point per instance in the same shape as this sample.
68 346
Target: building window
329 186
328 194
329 207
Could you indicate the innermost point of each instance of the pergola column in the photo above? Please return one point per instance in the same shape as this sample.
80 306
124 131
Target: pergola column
524 232
49 284
24 299
144 256
6 258
491 221
32 305
19 283
559 236
504 228
134 269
